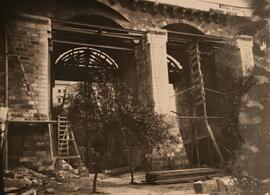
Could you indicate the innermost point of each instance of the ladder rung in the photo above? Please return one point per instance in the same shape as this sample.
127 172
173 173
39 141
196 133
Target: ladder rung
62 143
62 126
63 121
59 126
62 117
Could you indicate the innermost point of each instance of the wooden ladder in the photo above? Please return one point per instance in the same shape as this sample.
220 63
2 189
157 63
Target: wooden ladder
199 99
65 137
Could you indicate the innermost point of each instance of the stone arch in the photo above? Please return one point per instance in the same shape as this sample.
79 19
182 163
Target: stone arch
100 10
99 20
193 24
186 27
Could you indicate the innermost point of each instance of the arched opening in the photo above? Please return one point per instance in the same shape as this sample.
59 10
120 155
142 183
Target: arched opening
75 64
184 28
195 136
92 44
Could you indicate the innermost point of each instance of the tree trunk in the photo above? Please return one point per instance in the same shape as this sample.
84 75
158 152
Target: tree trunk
131 166
1 171
95 182
87 157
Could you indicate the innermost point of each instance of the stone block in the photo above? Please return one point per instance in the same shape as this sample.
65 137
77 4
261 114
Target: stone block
42 154
29 153
41 143
28 159
29 143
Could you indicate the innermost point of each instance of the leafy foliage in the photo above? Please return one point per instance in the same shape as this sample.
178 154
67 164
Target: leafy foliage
243 164
105 108
262 8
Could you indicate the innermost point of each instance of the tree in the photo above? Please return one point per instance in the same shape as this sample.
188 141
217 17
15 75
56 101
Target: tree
250 165
104 108
141 127
92 113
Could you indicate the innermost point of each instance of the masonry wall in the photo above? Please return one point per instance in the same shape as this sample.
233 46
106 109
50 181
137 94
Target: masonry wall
154 90
28 146
144 73
28 39
28 47
2 66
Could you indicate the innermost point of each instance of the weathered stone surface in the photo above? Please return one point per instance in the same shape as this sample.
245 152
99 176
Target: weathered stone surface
28 40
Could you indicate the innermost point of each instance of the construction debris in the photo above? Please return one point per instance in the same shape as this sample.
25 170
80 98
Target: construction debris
216 185
63 175
83 171
22 177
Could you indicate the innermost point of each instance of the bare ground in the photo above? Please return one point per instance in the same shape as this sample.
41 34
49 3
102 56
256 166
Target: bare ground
118 185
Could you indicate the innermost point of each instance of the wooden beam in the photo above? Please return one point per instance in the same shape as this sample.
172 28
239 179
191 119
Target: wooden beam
120 30
92 45
6 67
6 146
97 32
199 138
32 121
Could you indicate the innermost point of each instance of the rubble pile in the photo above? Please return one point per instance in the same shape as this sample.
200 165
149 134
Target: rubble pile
64 171
65 175
22 177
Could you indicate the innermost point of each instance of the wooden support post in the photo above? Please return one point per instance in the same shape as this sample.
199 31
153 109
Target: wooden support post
5 138
209 150
197 149
199 107
6 146
6 67
192 144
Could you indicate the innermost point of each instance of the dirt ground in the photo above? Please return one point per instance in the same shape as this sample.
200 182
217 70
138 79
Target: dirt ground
117 185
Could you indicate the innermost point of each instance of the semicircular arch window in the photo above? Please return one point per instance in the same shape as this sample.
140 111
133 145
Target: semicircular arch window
85 57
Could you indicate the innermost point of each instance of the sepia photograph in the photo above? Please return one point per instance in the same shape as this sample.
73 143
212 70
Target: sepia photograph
135 97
